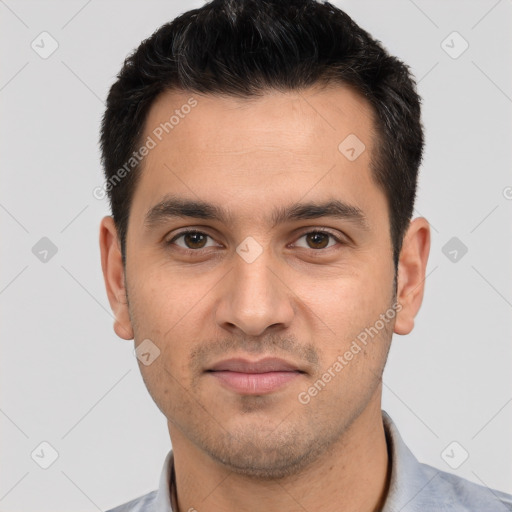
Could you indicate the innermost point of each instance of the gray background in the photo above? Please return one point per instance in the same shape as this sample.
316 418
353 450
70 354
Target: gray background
68 380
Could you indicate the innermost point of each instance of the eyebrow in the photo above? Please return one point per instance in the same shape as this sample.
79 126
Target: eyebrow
171 207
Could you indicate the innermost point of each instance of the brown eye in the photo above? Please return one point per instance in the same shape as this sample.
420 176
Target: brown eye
192 240
318 240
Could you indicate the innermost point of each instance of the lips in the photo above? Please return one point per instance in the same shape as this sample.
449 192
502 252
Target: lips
269 364
254 377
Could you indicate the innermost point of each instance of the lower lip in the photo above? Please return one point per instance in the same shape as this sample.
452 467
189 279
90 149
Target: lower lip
254 383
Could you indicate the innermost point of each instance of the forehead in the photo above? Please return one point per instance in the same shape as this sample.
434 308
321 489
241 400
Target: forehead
258 151
300 119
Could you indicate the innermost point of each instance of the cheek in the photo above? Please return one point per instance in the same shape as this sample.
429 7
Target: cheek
167 388
159 299
347 302
177 316
347 312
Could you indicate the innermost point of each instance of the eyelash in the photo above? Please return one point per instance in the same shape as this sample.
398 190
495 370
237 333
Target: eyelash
197 232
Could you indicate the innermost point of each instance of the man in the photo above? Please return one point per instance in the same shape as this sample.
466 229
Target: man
261 159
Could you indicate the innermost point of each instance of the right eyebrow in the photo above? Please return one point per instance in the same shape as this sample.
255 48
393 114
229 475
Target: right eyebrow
177 207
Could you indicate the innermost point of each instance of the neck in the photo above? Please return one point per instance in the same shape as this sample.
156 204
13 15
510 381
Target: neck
351 476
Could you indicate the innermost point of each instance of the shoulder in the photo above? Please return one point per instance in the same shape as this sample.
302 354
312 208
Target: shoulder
461 495
419 487
145 503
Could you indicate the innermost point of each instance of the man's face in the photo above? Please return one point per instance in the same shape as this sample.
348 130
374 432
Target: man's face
248 288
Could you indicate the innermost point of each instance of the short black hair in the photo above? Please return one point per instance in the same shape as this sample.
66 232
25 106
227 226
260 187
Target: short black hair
245 48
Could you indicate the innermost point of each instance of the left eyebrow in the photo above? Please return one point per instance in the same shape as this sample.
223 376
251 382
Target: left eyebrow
178 207
334 208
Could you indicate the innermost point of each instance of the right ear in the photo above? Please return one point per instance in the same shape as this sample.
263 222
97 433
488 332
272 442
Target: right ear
113 274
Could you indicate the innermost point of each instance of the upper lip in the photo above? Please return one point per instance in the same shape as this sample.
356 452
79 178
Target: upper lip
268 364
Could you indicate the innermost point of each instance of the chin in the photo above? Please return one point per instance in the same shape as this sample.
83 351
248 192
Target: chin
267 455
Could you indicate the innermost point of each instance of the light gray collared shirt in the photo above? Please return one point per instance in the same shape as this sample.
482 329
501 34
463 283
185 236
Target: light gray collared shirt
414 487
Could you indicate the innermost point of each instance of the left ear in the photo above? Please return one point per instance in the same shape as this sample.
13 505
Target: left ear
411 273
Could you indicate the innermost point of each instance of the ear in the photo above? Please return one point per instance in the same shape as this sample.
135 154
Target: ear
113 274
411 273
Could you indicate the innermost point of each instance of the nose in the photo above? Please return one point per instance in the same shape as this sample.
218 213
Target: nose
254 297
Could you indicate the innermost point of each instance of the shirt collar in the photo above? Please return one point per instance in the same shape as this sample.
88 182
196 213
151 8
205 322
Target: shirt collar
408 477
166 496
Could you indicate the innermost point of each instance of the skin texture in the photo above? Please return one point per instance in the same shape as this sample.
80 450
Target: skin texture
298 300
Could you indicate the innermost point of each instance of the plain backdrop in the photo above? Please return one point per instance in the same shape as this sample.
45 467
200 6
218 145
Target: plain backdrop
67 380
